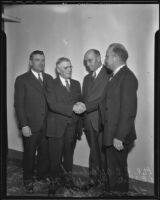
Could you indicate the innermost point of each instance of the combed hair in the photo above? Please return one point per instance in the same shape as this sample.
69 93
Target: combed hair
95 51
35 52
119 50
62 59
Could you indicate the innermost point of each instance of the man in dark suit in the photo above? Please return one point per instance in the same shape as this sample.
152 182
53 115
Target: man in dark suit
62 122
118 111
93 86
31 109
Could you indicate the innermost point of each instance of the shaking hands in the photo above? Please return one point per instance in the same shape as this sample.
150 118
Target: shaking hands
79 108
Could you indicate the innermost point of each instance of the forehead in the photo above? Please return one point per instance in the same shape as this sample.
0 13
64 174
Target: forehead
109 51
38 56
64 64
89 55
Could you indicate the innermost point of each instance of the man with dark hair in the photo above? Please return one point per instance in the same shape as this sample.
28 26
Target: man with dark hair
31 109
63 124
93 86
118 111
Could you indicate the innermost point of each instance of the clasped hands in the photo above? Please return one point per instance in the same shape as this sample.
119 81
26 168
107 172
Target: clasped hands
79 108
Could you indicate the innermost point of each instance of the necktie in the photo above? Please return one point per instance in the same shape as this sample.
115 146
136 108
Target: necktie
94 75
111 76
67 86
40 80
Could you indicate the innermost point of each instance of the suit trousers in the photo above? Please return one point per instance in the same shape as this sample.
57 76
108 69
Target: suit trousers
37 142
96 156
61 151
117 170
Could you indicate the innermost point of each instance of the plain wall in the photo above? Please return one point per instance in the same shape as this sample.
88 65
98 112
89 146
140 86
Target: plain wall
70 30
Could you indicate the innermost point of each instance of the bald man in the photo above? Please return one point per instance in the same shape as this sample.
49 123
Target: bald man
93 87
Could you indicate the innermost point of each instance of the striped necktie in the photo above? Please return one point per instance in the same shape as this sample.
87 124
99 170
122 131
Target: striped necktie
40 80
67 85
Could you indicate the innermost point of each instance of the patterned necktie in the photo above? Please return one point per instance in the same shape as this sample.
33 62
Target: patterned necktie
67 86
40 80
94 76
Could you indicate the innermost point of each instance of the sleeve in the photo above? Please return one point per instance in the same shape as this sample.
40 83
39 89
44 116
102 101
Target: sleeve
54 106
94 105
19 96
128 106
79 124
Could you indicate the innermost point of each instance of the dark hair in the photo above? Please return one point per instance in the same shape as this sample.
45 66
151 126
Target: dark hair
120 51
62 59
35 52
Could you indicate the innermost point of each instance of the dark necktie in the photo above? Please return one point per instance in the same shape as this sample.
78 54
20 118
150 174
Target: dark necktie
40 80
67 86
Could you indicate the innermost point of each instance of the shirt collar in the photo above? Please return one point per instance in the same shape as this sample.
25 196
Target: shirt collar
36 74
98 70
63 80
118 69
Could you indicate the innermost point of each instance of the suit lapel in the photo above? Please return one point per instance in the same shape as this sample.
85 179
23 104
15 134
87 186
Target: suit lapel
101 76
34 82
116 77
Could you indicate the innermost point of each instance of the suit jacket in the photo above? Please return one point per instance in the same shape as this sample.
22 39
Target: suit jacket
60 103
92 91
29 100
118 108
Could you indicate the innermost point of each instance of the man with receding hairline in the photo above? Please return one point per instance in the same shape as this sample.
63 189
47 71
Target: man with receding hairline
93 87
63 124
118 111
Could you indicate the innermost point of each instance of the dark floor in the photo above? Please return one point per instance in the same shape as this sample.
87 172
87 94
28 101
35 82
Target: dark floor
15 184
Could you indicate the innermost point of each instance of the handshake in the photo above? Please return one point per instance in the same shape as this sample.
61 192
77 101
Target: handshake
79 108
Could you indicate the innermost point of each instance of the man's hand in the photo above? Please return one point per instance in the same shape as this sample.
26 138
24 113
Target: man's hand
79 108
26 131
118 144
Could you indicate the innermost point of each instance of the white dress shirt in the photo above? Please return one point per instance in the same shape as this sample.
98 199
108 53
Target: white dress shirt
63 80
36 74
97 71
118 69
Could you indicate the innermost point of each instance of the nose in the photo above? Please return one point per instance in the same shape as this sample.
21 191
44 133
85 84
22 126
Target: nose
69 70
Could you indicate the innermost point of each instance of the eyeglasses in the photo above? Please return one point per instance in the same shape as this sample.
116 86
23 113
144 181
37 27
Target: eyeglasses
68 67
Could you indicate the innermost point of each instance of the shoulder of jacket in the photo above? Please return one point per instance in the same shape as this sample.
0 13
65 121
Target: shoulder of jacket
48 76
87 76
22 76
75 81
130 75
